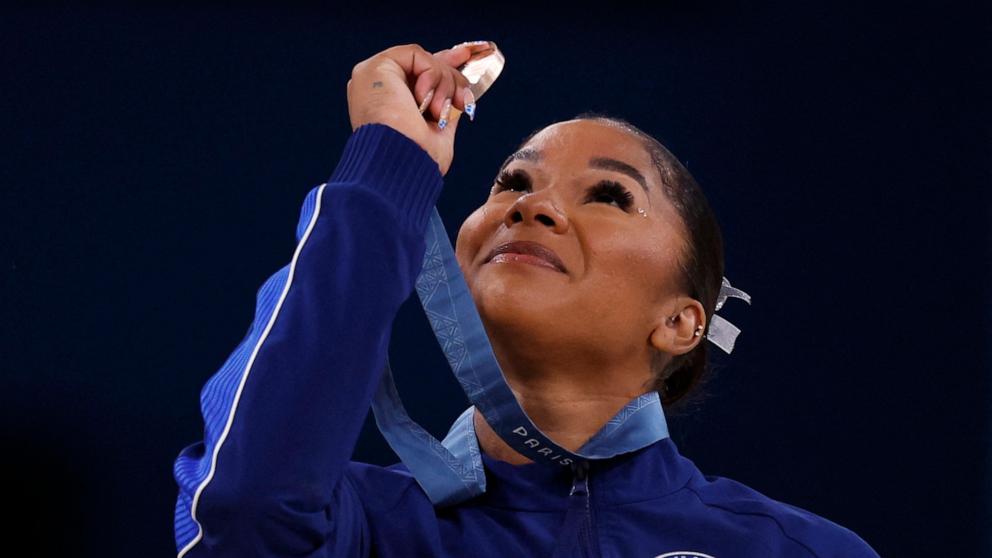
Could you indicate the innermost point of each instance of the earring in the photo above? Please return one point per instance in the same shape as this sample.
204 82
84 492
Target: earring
642 212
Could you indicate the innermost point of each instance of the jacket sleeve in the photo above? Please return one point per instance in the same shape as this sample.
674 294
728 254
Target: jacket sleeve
283 413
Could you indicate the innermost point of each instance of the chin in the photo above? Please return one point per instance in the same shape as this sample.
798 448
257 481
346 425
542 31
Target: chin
517 301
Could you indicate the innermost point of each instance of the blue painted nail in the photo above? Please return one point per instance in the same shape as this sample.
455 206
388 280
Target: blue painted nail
469 104
445 111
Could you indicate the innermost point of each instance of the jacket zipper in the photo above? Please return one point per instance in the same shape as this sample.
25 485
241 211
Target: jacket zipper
581 497
577 536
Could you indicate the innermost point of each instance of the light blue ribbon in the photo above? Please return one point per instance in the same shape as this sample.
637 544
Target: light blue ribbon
451 471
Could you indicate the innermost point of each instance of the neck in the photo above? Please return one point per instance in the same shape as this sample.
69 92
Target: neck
568 401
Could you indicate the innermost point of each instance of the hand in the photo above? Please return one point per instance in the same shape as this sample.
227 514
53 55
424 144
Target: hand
389 87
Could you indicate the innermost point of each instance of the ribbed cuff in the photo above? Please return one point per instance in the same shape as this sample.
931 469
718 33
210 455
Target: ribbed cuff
382 159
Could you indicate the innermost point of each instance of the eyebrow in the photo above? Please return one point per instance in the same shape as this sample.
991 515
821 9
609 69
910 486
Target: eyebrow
604 163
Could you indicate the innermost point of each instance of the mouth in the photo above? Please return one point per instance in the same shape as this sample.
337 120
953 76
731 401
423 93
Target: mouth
526 251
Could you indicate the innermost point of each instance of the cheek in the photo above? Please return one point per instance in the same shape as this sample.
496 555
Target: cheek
472 235
635 272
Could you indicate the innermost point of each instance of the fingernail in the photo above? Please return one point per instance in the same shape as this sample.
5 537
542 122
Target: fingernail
469 104
445 111
471 43
427 100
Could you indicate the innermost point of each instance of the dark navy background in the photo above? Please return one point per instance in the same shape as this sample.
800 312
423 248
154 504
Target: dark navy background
154 161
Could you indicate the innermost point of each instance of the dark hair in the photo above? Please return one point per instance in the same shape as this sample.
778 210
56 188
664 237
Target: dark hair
682 380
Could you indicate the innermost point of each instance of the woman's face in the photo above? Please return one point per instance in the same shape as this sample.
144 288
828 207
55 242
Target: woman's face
617 275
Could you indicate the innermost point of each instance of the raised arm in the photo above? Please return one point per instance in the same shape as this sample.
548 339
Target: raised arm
283 413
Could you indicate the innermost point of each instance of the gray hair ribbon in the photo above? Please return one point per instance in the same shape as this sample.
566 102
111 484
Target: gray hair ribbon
722 333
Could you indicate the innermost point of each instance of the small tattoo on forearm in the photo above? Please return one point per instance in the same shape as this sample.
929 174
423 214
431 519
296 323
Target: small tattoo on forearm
376 84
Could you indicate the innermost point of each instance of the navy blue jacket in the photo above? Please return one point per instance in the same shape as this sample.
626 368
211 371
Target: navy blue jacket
273 474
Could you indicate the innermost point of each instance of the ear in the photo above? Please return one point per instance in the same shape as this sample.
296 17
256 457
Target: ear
675 332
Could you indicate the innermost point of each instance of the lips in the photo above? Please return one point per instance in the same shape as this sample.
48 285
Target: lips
529 248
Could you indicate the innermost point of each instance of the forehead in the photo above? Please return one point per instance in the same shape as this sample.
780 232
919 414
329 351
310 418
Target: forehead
582 139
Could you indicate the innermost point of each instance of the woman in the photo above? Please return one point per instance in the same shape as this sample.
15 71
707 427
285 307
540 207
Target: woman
595 265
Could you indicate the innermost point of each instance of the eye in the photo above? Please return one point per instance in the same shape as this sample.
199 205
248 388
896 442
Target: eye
511 181
609 191
606 191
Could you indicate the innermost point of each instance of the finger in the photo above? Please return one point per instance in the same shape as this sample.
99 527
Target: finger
424 89
463 94
455 56
458 98
445 90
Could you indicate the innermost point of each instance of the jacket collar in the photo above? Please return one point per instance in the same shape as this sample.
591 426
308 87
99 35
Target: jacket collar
650 472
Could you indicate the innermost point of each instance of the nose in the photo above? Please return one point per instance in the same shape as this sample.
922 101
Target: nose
536 207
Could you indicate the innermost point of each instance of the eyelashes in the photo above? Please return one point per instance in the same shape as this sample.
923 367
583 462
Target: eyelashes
607 191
